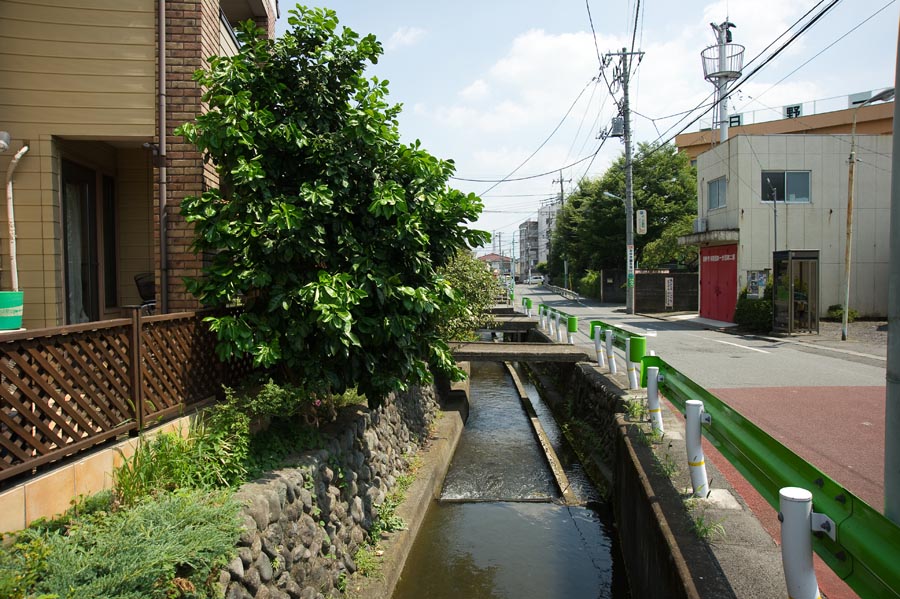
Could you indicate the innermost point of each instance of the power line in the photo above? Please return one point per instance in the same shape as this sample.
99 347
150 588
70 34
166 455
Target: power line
714 104
828 47
543 143
516 195
537 176
747 77
587 4
637 10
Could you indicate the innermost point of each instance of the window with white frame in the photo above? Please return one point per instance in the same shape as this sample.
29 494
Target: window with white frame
785 186
716 193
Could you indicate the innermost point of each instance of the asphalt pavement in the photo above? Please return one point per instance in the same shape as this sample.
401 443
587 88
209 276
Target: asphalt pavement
821 397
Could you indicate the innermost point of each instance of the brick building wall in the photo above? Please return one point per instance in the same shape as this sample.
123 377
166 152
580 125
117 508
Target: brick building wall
192 35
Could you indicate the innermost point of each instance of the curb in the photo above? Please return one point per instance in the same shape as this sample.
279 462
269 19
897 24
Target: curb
436 458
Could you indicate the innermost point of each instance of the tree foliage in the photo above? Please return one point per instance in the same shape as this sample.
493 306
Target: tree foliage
325 227
477 288
590 227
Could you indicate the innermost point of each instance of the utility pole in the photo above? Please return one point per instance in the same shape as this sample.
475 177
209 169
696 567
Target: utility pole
622 75
561 181
892 398
561 198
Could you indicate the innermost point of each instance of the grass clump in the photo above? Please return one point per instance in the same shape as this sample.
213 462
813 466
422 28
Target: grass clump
164 547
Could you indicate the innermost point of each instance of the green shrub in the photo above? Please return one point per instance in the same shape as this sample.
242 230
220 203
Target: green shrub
836 312
589 285
754 315
207 458
165 546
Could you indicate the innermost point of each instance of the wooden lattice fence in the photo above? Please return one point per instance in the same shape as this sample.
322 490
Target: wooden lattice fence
66 389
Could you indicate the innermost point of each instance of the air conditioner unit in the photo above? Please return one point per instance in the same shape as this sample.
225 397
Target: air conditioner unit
699 225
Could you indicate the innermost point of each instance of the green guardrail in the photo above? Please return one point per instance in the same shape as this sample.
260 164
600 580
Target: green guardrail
866 549
638 342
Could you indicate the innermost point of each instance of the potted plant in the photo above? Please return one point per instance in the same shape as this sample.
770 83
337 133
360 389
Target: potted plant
12 301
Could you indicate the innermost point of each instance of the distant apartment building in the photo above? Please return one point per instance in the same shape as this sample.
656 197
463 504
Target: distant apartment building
497 264
546 223
528 248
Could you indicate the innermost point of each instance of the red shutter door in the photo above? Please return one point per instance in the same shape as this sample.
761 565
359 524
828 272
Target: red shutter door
718 282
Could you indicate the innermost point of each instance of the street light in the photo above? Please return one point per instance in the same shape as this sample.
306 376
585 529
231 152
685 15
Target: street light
629 254
880 96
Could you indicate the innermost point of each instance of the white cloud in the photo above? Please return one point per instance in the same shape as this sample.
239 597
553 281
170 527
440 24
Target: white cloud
405 36
478 90
533 84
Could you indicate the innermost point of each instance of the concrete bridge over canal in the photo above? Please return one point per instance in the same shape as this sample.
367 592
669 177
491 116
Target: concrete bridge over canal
487 351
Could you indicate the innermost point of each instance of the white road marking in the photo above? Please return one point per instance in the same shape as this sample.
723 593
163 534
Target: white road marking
762 351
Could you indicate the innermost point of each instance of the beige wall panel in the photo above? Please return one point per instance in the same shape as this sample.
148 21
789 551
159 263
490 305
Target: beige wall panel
52 50
135 221
91 34
122 14
120 121
64 65
83 100
111 83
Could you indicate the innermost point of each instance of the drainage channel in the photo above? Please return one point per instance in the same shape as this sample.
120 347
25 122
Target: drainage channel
502 527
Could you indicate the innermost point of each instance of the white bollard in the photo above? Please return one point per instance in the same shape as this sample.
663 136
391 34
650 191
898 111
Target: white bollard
656 420
542 315
631 367
610 354
795 505
693 411
598 346
558 330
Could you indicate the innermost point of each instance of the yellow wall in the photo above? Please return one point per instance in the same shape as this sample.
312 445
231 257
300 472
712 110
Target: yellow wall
75 70
134 203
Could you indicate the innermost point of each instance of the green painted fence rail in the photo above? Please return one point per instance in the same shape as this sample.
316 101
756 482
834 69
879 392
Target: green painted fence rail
866 549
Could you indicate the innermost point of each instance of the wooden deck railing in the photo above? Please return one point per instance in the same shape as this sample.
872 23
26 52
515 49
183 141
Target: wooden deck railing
66 389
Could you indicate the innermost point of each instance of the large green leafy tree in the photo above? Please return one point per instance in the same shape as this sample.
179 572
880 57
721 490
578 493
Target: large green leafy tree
326 228
590 230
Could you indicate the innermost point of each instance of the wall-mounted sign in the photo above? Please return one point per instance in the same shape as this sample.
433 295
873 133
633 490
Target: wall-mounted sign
792 111
670 292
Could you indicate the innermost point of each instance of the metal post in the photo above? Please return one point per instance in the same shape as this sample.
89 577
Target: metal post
892 399
629 367
610 355
572 328
635 351
629 191
693 413
597 336
722 84
135 371
656 420
795 514
848 248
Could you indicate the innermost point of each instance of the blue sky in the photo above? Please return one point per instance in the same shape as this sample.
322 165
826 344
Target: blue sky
484 83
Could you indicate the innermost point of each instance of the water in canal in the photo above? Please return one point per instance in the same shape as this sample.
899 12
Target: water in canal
500 529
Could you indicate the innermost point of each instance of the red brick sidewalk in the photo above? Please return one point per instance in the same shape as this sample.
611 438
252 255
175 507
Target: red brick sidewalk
840 430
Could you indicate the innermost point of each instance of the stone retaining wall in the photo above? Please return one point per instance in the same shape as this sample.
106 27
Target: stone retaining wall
590 406
304 525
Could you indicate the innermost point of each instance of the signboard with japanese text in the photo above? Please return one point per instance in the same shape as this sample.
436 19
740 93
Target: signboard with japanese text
641 227
670 292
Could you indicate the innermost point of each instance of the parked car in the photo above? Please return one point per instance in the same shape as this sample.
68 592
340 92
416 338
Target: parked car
534 280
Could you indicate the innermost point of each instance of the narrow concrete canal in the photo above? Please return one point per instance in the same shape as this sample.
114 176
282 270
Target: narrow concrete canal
500 529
